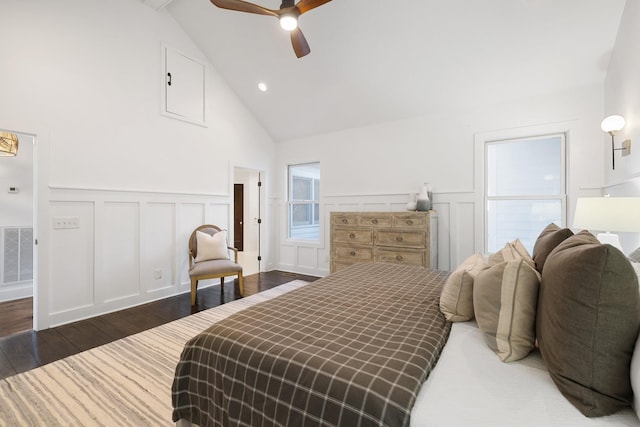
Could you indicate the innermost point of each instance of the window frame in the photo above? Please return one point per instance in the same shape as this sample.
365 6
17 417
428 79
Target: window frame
313 214
562 196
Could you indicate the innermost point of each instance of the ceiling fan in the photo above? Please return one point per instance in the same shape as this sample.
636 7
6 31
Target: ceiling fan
287 14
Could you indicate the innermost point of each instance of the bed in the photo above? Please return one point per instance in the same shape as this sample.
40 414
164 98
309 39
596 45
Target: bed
364 346
326 354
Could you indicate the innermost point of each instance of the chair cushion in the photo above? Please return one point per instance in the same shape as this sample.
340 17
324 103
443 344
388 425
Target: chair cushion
211 246
214 267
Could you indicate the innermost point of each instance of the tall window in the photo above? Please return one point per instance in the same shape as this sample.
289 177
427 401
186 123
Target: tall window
525 188
304 201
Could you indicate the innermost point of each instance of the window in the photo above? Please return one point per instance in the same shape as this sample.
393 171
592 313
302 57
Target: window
525 188
304 201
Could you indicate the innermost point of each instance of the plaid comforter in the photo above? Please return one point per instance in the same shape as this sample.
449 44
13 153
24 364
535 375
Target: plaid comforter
351 349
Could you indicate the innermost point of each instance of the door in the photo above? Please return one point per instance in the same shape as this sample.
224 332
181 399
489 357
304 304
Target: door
238 216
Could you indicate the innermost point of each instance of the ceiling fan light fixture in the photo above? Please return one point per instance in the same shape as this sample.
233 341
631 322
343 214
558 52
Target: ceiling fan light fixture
288 22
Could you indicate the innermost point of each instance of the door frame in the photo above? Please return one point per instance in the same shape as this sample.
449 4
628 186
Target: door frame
34 219
261 207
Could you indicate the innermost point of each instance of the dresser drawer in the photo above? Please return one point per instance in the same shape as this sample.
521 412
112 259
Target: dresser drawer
353 235
404 239
407 257
410 221
344 219
375 220
353 254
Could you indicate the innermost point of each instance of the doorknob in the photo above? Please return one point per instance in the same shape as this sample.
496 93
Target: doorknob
240 222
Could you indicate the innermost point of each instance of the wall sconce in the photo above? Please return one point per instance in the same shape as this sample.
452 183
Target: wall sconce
611 125
8 144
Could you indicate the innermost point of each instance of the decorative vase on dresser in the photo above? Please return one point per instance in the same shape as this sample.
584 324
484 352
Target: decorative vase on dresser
408 238
423 201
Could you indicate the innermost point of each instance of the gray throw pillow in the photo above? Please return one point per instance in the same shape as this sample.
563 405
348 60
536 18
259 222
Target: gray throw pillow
548 239
587 323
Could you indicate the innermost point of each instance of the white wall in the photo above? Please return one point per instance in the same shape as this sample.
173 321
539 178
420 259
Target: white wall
376 167
85 76
622 96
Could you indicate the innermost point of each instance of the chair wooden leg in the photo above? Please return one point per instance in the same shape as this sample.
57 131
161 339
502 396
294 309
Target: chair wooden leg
194 287
241 284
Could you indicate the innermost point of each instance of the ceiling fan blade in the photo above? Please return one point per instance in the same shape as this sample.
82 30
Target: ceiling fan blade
306 5
244 6
299 42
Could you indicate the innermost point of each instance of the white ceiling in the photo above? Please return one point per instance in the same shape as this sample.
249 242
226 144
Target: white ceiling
373 61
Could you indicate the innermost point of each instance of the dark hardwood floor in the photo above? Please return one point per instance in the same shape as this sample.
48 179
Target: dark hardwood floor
27 350
16 316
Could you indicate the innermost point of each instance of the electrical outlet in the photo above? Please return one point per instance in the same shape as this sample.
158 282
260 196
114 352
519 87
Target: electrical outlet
158 273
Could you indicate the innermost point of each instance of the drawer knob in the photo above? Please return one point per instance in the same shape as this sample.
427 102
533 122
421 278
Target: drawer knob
345 220
399 257
352 235
375 221
352 253
399 239
409 222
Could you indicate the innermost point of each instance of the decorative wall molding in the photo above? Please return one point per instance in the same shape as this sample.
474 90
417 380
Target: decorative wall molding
456 232
129 248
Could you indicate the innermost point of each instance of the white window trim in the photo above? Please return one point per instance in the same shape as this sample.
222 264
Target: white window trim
288 203
480 141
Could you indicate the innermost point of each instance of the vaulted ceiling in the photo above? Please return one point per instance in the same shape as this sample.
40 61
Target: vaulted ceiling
373 61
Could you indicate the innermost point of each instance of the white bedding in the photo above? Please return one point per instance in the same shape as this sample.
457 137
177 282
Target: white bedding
470 386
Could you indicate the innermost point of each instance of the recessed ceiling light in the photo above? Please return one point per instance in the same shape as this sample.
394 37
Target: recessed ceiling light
262 86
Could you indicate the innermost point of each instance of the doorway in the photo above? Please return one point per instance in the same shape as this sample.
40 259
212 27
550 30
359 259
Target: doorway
246 213
238 216
17 249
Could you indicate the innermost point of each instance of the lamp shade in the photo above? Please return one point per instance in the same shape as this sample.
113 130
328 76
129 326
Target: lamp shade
620 214
8 144
612 123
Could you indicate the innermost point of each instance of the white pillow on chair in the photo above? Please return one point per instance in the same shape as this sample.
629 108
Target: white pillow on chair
211 247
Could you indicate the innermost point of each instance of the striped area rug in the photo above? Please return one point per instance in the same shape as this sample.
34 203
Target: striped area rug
123 383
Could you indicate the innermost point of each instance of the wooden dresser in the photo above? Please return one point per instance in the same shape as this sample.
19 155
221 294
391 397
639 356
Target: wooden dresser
398 237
